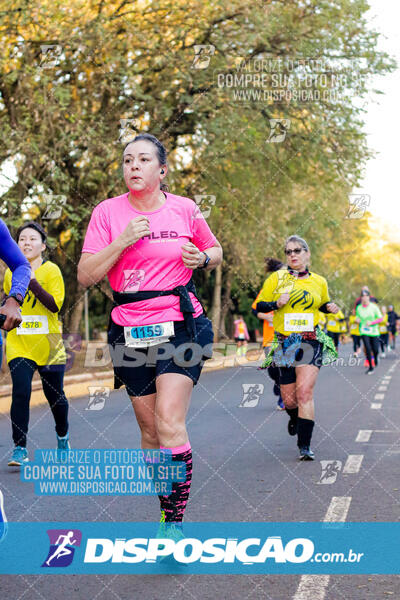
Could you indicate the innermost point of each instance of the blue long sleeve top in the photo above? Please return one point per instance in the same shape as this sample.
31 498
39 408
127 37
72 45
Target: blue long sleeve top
15 260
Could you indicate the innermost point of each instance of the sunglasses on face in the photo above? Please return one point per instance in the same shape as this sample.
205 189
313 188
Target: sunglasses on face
295 251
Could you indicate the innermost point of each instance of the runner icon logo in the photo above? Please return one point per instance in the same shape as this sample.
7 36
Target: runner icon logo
97 397
330 471
205 202
133 279
279 129
127 130
54 206
62 547
203 54
50 55
358 204
285 283
251 394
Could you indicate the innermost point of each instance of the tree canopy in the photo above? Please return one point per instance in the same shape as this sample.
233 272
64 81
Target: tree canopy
276 153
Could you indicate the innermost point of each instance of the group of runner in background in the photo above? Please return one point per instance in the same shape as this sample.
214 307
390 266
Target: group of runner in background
372 327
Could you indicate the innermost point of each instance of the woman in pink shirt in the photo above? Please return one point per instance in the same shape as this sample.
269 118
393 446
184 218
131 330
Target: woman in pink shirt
148 242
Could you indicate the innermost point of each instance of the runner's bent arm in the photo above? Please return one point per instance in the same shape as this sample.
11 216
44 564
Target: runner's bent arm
92 268
11 254
53 296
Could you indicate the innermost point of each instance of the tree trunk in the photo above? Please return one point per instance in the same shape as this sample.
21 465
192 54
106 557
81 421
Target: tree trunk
75 315
226 306
216 304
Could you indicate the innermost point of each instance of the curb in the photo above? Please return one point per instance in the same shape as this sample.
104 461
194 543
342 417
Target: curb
76 386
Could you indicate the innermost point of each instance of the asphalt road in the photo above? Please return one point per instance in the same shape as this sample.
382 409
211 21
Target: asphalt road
245 469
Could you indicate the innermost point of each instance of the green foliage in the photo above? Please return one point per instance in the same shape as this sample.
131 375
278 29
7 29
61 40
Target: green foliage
134 60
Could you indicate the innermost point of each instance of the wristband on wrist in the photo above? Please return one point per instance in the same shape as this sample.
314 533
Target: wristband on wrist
203 266
18 297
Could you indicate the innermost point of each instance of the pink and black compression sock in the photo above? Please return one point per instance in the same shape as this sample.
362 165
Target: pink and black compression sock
174 505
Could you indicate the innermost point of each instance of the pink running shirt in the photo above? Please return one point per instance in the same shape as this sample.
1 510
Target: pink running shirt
153 263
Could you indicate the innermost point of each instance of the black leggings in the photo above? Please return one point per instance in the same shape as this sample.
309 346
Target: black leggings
356 342
384 341
371 343
22 370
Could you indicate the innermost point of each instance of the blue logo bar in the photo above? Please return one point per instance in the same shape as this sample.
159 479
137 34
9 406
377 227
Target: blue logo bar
209 548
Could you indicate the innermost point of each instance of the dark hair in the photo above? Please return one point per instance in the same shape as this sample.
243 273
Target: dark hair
160 148
272 264
32 225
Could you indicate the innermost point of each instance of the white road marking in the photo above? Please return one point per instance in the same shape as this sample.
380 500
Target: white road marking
376 405
313 587
353 463
338 509
364 435
385 430
379 396
383 388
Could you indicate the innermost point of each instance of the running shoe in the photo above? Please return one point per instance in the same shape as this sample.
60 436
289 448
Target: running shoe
63 442
306 453
279 404
3 520
173 531
19 457
292 427
369 371
383 355
366 363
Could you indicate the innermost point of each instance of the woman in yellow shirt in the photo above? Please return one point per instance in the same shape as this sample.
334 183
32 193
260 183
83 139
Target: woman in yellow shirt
384 332
37 343
333 327
300 347
355 332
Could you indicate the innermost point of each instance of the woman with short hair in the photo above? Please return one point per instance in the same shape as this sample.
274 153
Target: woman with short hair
299 349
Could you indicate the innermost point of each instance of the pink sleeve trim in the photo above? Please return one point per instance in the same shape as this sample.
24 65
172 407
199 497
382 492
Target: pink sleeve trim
376 321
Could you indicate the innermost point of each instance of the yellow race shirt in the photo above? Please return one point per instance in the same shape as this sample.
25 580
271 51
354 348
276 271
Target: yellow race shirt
333 323
301 313
343 327
383 325
39 335
322 319
354 326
